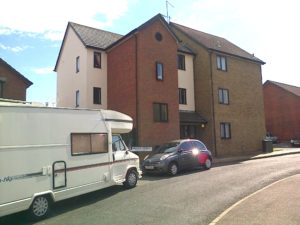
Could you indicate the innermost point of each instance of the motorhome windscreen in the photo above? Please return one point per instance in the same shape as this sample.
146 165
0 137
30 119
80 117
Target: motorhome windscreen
89 143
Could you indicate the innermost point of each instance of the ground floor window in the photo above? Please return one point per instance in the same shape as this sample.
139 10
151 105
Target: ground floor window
225 129
97 95
188 131
1 89
160 112
77 98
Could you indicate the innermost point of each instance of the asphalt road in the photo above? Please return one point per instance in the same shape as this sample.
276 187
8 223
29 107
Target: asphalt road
193 197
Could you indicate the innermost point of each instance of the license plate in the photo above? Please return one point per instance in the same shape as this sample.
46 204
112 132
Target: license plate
149 167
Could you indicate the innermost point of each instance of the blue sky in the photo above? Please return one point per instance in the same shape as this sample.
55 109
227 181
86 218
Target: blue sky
31 36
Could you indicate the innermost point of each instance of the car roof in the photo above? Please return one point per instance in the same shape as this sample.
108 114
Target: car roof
183 140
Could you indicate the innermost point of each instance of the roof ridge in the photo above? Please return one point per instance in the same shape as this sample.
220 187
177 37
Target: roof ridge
276 82
214 42
26 80
71 23
197 30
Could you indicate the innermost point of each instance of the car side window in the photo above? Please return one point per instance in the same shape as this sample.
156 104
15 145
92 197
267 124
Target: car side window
186 146
199 145
117 143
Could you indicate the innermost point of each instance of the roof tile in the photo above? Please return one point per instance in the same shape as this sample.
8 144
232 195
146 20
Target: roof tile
292 89
216 43
96 38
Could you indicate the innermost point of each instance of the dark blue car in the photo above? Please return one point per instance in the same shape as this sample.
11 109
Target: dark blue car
178 155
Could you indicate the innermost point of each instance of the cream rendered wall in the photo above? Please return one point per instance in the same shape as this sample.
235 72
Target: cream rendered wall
186 80
68 81
96 77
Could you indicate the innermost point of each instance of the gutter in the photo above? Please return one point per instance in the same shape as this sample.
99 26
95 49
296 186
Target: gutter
213 104
137 90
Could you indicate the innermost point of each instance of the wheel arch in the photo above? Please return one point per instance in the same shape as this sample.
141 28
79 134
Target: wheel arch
49 194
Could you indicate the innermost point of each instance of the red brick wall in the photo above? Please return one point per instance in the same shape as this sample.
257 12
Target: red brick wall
151 90
14 86
121 78
282 110
136 96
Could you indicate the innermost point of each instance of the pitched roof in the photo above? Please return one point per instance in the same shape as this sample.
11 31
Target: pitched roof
27 82
104 40
147 23
182 47
215 43
292 89
94 38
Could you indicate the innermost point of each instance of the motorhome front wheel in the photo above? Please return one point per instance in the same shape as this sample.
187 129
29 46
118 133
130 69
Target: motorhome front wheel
131 179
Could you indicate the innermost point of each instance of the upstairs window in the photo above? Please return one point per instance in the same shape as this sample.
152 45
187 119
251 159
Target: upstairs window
97 59
182 96
181 62
225 129
159 71
223 96
77 64
97 95
160 112
221 63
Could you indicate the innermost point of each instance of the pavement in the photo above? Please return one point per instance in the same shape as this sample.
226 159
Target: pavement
278 150
275 204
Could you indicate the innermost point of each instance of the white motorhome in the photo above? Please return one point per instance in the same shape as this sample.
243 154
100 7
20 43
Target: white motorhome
51 154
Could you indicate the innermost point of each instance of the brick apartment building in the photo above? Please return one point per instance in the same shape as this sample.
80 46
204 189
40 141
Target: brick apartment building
228 92
167 82
13 85
282 110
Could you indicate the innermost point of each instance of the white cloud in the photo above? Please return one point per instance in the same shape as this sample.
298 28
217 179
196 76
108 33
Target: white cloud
49 18
15 49
266 28
43 70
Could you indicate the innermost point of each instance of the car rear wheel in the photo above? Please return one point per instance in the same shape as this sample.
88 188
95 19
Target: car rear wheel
173 169
207 164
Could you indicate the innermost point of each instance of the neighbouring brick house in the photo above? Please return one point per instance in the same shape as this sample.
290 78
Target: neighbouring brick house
164 84
13 85
282 109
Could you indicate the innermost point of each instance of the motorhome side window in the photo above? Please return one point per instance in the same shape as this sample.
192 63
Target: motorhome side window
88 143
117 143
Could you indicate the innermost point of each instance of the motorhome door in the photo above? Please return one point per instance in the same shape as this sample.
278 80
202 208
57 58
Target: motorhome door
59 174
120 158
